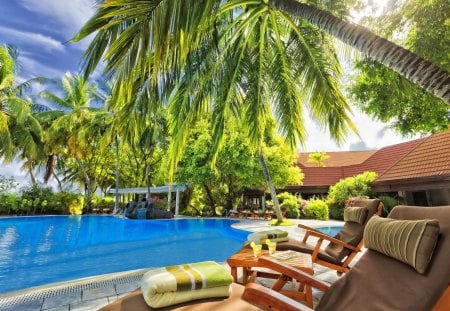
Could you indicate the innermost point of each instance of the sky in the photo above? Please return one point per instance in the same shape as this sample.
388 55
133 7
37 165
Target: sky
41 30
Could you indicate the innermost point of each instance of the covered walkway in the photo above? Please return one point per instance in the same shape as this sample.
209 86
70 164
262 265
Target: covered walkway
169 189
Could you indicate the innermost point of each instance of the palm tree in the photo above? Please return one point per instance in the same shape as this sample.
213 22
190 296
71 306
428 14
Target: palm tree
241 58
172 28
414 68
273 50
67 132
20 132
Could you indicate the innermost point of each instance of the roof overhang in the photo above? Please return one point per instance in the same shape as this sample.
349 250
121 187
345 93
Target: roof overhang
413 184
159 189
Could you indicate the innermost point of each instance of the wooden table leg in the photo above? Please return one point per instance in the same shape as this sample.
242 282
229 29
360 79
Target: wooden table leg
244 275
234 273
308 296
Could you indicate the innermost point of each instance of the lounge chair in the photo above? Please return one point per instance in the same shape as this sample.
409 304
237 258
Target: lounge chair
238 300
382 282
345 245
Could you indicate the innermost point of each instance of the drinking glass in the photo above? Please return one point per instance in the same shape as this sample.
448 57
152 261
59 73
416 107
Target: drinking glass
272 248
257 250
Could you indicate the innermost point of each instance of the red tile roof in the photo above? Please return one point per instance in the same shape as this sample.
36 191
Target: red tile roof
337 158
428 156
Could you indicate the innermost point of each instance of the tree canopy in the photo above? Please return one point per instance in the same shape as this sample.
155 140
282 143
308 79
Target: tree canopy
385 94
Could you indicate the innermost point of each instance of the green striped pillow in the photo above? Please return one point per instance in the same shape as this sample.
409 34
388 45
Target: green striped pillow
355 214
409 241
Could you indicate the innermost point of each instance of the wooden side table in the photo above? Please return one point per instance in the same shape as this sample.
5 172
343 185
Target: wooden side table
245 260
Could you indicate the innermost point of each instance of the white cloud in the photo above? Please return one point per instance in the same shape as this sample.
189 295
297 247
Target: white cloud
71 15
13 170
37 40
373 135
30 66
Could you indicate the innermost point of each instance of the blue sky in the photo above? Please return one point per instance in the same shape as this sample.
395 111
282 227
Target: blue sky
41 29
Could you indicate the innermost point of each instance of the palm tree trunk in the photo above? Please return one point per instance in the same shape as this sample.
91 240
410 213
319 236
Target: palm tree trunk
87 183
409 65
116 201
58 181
272 190
50 167
30 171
212 202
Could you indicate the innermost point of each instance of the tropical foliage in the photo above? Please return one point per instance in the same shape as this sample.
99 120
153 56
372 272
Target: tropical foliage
251 68
236 167
291 203
390 97
20 133
317 209
318 158
356 186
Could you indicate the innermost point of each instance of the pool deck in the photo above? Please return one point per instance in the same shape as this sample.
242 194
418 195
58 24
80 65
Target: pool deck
95 292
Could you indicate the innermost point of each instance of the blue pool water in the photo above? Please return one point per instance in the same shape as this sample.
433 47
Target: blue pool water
330 230
41 250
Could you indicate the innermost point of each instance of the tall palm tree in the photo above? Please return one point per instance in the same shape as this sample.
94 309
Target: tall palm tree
67 131
246 58
20 132
269 49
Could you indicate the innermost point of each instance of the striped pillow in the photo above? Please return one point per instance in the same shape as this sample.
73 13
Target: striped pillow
409 241
355 214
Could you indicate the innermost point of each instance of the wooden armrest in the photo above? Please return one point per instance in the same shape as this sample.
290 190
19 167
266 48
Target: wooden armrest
323 236
268 299
292 273
307 228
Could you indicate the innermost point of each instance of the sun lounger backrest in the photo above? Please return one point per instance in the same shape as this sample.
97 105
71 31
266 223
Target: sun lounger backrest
352 232
379 282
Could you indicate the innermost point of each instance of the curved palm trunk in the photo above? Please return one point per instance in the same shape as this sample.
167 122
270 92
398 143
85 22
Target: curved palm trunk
409 65
30 171
50 167
59 182
272 190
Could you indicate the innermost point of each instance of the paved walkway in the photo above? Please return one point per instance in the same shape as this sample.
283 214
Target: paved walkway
95 292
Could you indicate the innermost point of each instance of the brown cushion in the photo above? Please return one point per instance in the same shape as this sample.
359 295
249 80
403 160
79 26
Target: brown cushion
355 214
378 282
410 241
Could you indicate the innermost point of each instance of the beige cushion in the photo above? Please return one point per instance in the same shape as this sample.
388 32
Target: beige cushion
355 214
409 241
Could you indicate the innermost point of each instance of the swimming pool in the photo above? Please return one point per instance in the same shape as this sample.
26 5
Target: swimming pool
330 230
47 249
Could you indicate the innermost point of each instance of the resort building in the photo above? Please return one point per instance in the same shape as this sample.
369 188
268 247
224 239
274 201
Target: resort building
418 171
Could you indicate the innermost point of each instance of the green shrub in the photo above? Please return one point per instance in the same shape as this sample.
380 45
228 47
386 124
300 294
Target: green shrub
317 209
335 211
96 200
289 201
60 202
388 203
109 200
356 186
32 197
8 203
76 205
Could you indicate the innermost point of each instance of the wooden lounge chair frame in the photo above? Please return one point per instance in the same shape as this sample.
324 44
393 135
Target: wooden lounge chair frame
341 267
380 282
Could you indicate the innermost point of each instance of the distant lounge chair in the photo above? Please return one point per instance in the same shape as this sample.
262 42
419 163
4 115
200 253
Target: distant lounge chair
406 266
344 246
